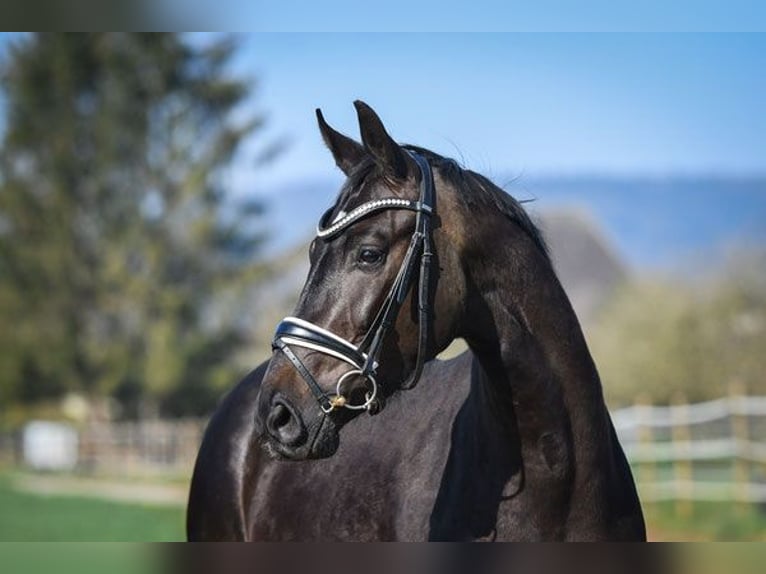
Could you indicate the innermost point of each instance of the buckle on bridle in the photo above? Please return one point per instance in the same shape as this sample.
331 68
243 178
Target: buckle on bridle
340 401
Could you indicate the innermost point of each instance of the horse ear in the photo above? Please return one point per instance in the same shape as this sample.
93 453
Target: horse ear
387 153
346 152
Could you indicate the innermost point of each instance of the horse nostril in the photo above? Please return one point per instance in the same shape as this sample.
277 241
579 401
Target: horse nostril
285 425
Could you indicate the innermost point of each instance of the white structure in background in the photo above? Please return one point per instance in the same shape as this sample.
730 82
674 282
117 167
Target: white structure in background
49 446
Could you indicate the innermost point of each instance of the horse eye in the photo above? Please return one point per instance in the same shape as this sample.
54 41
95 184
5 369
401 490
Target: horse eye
370 256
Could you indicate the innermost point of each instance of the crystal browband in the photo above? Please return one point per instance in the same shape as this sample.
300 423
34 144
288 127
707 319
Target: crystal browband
363 211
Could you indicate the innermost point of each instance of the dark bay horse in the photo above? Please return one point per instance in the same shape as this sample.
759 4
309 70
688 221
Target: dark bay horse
509 441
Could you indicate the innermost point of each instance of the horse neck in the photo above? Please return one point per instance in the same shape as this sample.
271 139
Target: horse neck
539 380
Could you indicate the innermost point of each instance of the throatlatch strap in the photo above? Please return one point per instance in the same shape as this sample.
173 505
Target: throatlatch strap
423 226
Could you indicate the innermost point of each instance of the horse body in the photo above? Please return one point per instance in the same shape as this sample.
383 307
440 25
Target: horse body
510 441
449 476
373 488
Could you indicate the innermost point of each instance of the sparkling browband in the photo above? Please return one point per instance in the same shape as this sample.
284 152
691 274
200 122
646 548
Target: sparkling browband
363 211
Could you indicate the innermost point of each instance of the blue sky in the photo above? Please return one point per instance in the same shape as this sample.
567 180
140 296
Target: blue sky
521 104
517 104
493 15
461 16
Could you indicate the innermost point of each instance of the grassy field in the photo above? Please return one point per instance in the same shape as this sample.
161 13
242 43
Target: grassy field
25 516
719 521
32 517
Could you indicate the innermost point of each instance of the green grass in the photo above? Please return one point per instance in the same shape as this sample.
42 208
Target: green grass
81 558
720 521
32 517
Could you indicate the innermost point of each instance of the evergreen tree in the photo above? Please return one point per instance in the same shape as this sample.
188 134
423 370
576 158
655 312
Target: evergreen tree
122 261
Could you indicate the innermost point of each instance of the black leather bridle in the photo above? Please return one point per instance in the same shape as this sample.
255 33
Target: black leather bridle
364 357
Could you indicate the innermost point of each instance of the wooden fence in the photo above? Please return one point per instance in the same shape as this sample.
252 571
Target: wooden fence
160 447
710 451
122 449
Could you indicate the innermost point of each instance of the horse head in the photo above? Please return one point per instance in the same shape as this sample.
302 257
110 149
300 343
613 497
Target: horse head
365 322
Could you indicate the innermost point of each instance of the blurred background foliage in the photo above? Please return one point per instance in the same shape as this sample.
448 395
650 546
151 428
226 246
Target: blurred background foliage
122 264
664 338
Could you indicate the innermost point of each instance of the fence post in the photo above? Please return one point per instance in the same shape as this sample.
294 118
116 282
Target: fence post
682 465
741 435
647 475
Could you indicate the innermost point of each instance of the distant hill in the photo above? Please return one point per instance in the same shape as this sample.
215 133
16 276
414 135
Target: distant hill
661 222
653 222
585 261
293 210
599 230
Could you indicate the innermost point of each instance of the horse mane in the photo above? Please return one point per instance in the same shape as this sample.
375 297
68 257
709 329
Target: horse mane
477 191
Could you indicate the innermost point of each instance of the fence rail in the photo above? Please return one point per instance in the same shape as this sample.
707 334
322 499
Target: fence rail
709 451
714 449
685 491
145 447
125 449
699 413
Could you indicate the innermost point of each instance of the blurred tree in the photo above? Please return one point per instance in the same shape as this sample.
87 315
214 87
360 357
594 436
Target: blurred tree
122 262
659 337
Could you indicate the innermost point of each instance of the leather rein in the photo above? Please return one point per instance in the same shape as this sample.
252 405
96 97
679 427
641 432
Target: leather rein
363 358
